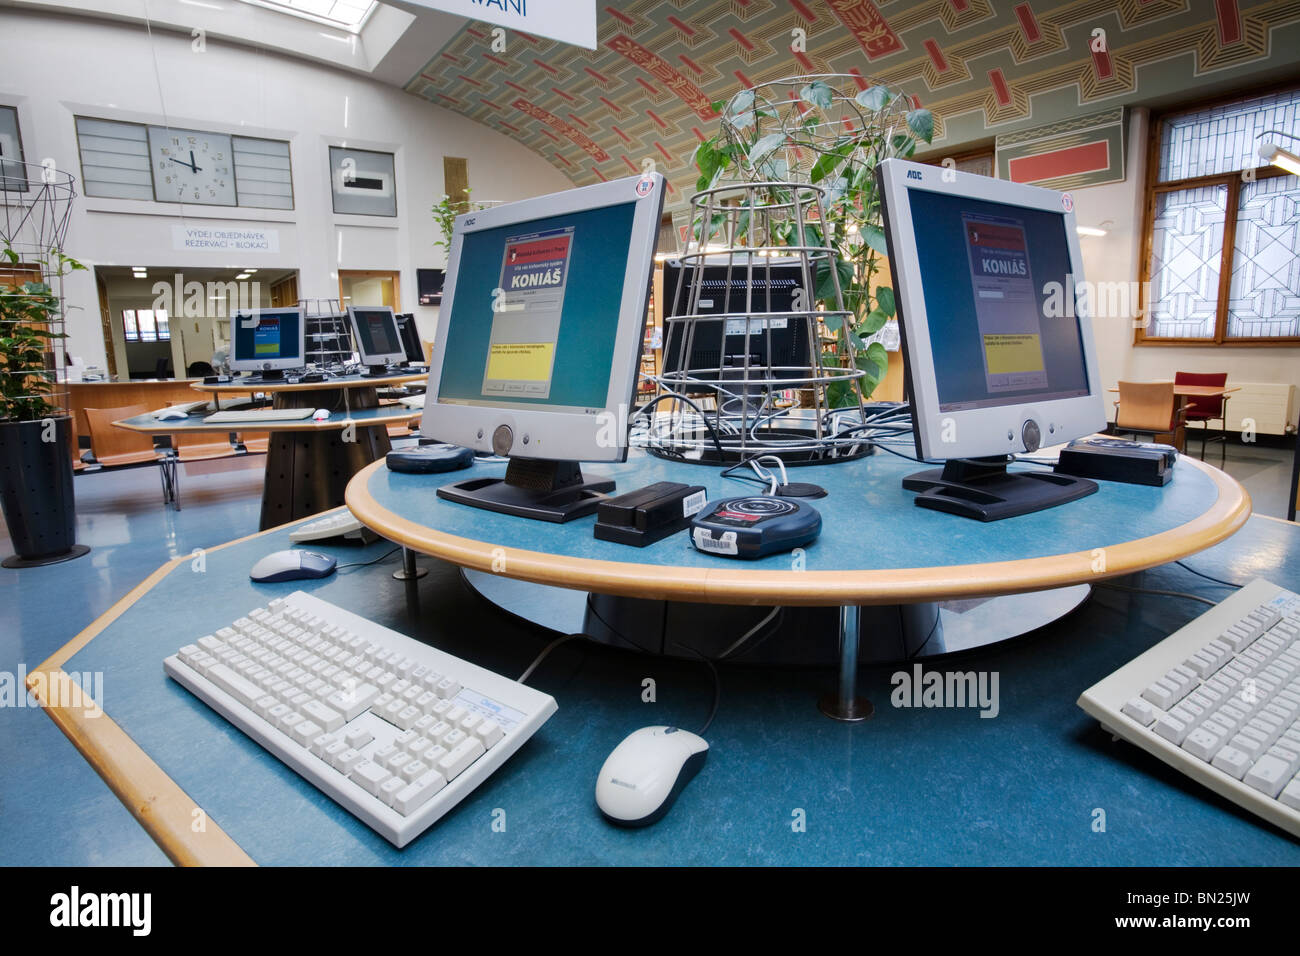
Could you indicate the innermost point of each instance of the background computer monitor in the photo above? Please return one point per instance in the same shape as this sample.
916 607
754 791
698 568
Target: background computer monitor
411 342
429 283
998 347
375 332
266 340
540 338
732 288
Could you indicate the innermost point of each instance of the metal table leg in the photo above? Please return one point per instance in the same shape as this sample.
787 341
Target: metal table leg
845 704
409 571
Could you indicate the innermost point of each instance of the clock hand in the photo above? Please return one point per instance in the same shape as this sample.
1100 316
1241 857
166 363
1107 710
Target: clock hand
192 166
179 162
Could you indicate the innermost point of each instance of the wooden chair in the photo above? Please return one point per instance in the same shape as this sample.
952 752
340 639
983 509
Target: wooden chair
112 446
116 446
1151 407
1208 409
254 443
201 446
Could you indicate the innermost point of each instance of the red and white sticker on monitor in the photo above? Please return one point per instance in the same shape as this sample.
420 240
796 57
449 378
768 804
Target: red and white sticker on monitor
1067 202
644 185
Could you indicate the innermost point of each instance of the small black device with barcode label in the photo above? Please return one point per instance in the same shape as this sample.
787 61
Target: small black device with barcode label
754 527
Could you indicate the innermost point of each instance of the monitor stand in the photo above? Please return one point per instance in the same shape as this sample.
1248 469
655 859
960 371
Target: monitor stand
271 375
533 488
375 371
983 489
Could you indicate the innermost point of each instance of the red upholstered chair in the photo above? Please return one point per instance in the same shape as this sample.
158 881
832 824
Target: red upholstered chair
1207 409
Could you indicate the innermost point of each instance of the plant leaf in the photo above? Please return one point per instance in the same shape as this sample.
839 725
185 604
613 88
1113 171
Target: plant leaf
742 102
875 98
818 93
765 147
874 237
885 301
873 323
921 122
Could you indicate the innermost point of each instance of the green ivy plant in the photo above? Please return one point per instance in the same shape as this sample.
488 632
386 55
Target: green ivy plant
26 316
844 164
445 212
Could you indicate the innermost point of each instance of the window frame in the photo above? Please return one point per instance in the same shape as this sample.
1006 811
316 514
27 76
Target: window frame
159 335
1154 188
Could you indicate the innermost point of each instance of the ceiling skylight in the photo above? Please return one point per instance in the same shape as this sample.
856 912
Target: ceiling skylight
347 15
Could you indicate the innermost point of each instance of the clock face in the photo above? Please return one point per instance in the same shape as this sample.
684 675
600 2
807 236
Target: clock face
191 166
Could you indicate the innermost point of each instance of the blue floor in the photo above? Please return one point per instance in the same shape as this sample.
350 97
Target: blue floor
55 810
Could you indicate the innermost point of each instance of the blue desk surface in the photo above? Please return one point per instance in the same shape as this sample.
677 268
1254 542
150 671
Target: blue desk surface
911 786
875 546
362 417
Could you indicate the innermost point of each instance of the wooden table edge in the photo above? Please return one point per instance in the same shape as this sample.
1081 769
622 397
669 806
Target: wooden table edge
156 801
737 584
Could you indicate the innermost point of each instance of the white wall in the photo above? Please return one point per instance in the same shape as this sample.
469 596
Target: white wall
1115 257
56 67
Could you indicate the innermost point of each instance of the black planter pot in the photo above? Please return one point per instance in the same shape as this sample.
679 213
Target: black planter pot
36 492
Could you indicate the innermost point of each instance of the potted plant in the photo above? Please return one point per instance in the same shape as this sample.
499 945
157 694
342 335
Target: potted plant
804 129
36 435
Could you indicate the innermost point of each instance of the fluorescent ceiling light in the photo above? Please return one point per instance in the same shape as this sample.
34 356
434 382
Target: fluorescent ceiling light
250 271
1282 158
1089 231
242 275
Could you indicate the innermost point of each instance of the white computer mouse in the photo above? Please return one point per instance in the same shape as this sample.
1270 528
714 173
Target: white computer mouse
644 774
320 415
292 566
176 414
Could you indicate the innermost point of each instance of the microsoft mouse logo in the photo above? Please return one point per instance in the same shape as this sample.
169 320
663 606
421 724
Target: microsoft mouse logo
913 174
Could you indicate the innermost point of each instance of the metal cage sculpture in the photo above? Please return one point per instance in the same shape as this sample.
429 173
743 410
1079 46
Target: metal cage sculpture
35 209
327 333
794 134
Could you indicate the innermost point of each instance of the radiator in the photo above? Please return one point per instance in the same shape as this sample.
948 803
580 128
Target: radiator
1271 405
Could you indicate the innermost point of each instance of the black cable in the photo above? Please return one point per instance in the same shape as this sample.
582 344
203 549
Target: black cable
1226 584
366 564
717 687
1181 594
713 432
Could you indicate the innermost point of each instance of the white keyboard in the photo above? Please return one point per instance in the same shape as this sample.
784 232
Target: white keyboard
393 730
342 524
262 415
1219 700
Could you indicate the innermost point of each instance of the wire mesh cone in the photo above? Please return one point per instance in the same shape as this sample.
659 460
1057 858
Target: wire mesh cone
730 411
35 209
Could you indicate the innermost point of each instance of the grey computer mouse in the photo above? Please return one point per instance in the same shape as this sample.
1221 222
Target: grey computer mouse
644 774
292 566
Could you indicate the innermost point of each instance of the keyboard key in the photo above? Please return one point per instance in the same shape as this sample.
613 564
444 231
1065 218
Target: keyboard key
1269 775
369 775
458 760
1232 761
353 700
1203 743
418 792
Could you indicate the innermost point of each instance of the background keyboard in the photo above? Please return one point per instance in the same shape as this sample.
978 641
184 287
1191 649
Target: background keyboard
262 415
1219 700
393 730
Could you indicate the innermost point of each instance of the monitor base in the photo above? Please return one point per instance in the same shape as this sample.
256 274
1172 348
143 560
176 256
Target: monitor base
542 490
271 375
375 371
983 489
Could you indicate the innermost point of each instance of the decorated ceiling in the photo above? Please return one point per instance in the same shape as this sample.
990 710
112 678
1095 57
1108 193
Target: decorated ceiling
984 68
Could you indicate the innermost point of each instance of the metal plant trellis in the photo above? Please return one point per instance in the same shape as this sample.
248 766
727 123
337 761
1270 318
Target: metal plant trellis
799 153
35 209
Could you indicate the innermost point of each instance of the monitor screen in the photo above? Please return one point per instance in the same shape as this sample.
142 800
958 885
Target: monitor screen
378 339
536 312
430 283
988 271
267 336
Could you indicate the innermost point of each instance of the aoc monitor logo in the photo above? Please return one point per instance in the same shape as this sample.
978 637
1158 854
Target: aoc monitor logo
77 909
913 174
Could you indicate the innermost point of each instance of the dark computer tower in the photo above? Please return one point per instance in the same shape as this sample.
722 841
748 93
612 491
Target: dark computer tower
784 342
